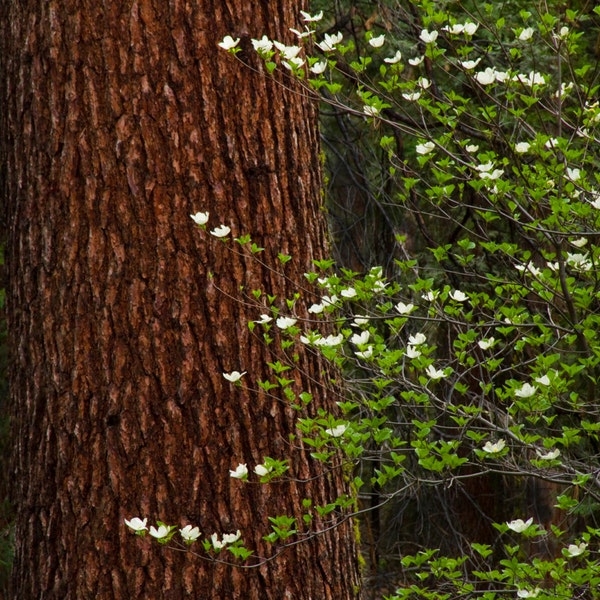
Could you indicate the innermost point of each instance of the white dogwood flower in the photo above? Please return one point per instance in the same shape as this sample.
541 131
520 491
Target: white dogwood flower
565 88
330 340
543 380
230 538
360 339
485 167
526 34
366 354
494 447
486 344
495 174
458 296
136 524
417 339
550 455
404 309
161 532
414 97
330 41
263 45
285 322
530 268
302 34
428 37
293 63
412 352
518 525
486 77
434 373
532 78
311 18
360 320
189 533
228 43
319 67
378 41
470 64
456 29
575 549
579 261
394 59
221 231
240 472
329 300
528 593
261 470
288 52
526 391
425 148
200 218
336 431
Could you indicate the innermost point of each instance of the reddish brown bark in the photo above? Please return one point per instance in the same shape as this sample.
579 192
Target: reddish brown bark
122 119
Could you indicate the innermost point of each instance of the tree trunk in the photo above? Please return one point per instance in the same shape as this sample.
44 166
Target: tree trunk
122 119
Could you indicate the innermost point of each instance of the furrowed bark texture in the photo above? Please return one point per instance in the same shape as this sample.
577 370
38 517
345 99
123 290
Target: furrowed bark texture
122 118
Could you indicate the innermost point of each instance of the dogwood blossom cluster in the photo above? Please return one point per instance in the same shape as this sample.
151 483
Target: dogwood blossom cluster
162 532
227 539
491 359
265 470
469 28
201 219
189 534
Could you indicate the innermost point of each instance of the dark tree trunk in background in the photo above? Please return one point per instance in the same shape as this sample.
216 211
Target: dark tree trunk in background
121 119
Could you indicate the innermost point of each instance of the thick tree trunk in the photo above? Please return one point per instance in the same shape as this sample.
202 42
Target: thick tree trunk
122 119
